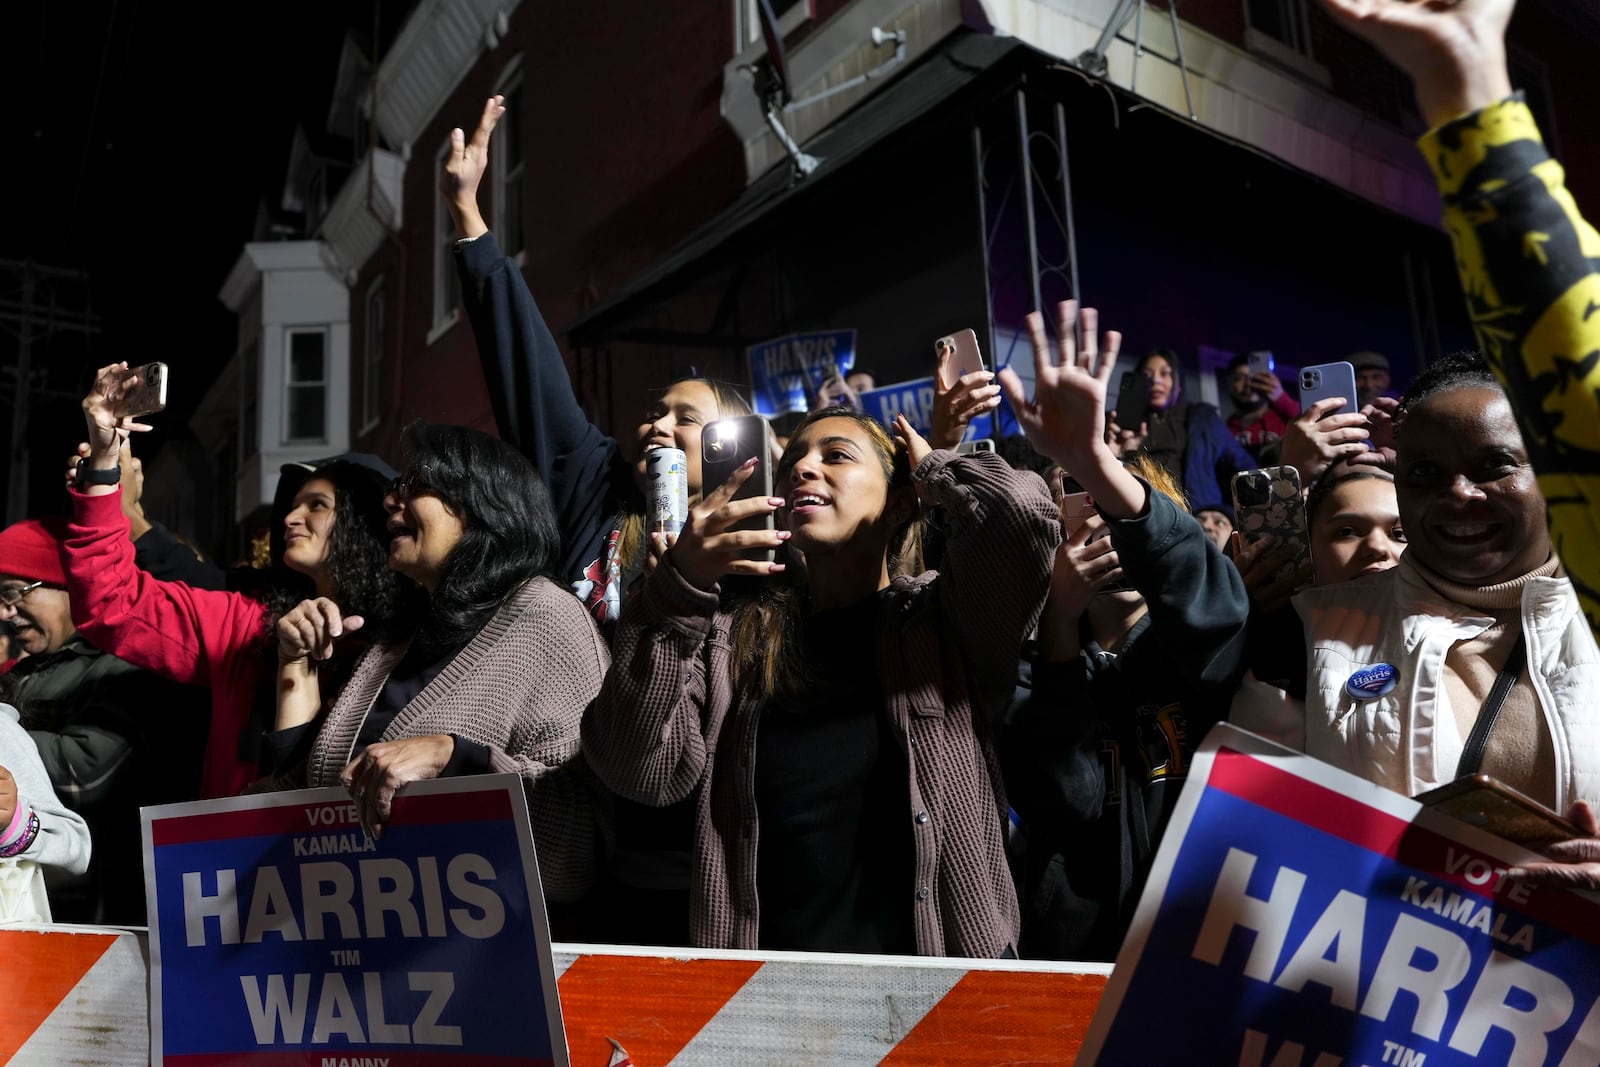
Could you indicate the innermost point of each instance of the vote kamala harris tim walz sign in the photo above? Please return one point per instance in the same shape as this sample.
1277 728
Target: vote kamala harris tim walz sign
280 933
1298 916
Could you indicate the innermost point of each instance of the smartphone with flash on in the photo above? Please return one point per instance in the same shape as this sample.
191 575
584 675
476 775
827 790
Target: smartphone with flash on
1261 363
1489 804
150 394
725 445
959 355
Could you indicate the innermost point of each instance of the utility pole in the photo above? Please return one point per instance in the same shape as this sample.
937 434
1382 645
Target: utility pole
26 317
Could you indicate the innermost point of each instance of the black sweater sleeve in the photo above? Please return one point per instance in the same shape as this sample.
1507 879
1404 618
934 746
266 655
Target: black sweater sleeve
534 405
163 556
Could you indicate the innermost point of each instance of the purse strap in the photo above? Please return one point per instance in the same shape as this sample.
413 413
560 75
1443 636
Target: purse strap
1472 754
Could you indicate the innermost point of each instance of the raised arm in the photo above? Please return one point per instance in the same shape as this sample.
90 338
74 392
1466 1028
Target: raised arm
534 405
1529 262
55 836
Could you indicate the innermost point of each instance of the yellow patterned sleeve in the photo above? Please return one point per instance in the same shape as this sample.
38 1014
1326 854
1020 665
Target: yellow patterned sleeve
1530 268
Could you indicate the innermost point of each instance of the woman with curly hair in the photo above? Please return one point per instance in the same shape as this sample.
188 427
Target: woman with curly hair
490 676
334 545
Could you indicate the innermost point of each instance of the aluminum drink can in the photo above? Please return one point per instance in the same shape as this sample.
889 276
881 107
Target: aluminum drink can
666 481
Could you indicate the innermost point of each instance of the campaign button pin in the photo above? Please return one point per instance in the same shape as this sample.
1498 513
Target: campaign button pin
1373 682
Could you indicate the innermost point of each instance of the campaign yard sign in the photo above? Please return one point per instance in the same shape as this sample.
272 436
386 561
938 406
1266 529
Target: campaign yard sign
786 372
1298 916
281 934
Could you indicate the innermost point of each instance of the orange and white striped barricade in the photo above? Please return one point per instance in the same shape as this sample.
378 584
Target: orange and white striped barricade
636 1006
73 995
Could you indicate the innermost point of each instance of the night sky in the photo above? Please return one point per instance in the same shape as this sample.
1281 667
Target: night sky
140 139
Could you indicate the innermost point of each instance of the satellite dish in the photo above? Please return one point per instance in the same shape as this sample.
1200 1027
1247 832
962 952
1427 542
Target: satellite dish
775 54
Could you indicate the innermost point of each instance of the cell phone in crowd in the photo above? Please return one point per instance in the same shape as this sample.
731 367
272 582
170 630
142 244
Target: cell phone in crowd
1133 401
1489 804
1329 379
1076 509
1261 363
1267 503
982 444
725 445
150 395
959 355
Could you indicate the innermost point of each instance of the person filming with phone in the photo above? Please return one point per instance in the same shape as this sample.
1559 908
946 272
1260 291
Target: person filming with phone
1188 438
1262 408
834 719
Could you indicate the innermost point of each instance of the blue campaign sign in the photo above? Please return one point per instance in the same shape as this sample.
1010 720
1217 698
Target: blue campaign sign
279 933
786 372
915 400
1298 916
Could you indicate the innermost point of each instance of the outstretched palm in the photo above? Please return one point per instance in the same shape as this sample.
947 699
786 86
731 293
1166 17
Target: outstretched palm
1066 419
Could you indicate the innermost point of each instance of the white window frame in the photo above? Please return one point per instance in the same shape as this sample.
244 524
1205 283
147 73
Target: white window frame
504 176
446 311
747 22
374 337
290 385
1296 55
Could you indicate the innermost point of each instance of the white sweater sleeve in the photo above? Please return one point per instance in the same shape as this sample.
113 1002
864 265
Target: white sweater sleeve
63 840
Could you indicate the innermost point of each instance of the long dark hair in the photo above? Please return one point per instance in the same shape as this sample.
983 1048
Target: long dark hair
767 637
358 555
511 533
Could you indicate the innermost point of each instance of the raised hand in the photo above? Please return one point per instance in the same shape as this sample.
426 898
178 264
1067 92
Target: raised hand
373 776
1066 418
1083 567
706 549
917 447
1319 438
105 411
309 630
1454 52
1262 564
464 167
955 406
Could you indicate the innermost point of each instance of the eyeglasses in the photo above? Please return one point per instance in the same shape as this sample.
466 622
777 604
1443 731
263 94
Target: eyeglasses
12 595
410 484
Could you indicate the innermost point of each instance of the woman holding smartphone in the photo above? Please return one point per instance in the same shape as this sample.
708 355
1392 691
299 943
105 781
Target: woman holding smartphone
835 721
335 546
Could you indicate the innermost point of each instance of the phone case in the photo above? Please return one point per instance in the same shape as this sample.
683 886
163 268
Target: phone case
964 356
725 445
1267 503
1133 400
1489 804
1328 379
150 395
1262 363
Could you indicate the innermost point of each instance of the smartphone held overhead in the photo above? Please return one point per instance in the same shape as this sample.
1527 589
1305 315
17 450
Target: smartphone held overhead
1267 503
1326 380
959 355
148 394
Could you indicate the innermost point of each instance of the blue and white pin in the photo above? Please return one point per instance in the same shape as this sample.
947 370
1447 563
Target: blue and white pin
1372 682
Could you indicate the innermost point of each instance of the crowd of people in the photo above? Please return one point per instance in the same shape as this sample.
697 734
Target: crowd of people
933 705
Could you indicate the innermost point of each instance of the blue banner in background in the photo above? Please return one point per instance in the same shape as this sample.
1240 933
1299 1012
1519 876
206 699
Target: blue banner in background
786 372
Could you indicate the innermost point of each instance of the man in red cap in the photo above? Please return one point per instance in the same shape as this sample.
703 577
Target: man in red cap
112 736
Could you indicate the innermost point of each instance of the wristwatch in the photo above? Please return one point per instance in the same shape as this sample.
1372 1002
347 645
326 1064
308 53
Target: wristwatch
88 475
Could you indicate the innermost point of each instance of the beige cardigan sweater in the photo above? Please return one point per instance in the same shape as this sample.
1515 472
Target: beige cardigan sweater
519 687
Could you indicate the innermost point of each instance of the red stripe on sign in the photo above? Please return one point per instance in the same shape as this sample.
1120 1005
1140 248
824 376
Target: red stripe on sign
350 1057
652 1007
421 810
992 1017
40 969
1261 783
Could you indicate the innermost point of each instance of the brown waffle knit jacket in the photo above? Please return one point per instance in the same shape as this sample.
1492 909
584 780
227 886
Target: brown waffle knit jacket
668 718
519 687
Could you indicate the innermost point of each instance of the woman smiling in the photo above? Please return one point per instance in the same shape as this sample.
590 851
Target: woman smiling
494 669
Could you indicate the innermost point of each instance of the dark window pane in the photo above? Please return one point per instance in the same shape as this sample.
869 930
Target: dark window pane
305 357
306 420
